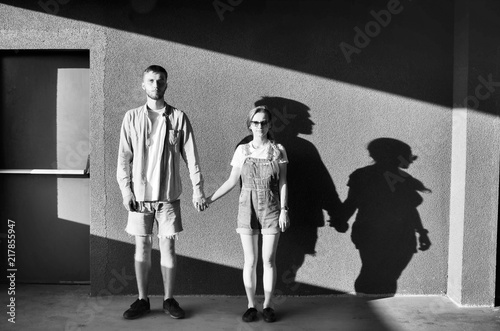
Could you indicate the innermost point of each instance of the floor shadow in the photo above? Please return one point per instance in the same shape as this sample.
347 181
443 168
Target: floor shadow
311 191
384 231
71 308
117 276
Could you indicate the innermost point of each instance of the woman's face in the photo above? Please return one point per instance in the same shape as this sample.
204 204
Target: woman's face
260 125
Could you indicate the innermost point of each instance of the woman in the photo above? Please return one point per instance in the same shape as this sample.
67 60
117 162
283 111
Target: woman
261 165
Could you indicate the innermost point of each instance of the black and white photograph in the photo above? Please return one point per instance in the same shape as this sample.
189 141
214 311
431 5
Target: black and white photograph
250 165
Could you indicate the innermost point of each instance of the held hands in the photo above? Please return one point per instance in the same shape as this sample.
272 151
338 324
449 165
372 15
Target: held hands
200 203
284 220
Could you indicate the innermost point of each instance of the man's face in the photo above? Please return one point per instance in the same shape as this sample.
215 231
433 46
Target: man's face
155 85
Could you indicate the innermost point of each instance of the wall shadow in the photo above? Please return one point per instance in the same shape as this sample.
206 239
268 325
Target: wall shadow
384 231
310 191
409 55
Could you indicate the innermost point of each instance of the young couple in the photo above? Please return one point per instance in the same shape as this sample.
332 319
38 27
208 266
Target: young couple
153 139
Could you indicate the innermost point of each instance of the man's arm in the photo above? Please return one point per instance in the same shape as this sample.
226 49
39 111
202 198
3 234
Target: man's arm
124 165
190 156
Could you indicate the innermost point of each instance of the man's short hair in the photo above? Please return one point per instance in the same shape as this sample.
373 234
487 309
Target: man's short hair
156 69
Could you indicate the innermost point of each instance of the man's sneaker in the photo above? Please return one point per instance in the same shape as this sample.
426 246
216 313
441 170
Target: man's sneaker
170 306
250 315
137 309
269 315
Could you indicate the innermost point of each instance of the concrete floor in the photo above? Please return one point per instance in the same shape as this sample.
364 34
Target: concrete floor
68 307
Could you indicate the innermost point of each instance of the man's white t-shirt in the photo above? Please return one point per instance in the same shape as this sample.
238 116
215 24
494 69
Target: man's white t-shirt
154 149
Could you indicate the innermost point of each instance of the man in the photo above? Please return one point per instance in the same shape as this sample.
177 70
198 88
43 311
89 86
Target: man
153 138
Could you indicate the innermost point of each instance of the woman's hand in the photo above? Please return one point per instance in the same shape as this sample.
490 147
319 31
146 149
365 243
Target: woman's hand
284 220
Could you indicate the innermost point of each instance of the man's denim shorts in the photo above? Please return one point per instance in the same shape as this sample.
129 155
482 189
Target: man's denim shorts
167 216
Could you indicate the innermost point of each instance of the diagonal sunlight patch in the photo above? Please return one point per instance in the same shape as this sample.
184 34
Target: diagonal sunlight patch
73 194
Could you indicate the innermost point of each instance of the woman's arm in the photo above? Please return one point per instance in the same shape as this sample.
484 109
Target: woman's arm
228 185
284 220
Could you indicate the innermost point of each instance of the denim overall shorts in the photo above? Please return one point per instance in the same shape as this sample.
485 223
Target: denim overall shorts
259 205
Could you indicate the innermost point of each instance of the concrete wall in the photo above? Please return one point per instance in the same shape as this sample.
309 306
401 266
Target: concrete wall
335 89
472 263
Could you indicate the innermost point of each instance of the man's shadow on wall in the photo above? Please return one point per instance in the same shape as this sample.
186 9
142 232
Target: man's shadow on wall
310 192
384 232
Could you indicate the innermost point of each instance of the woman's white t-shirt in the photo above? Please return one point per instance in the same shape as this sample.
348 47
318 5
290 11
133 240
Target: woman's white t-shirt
239 156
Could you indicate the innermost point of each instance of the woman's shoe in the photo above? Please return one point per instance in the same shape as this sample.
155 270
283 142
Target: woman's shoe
250 315
269 315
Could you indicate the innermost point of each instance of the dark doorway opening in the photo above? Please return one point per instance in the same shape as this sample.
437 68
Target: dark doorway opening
44 154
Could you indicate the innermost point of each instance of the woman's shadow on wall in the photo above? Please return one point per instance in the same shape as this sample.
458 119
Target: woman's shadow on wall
386 199
310 192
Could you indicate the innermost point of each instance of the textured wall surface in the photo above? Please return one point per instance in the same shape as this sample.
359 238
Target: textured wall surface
473 268
398 83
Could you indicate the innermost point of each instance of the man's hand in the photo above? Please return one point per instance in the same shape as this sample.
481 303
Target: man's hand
200 203
130 203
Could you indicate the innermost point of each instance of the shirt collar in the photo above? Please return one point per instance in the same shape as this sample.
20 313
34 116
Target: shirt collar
168 108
